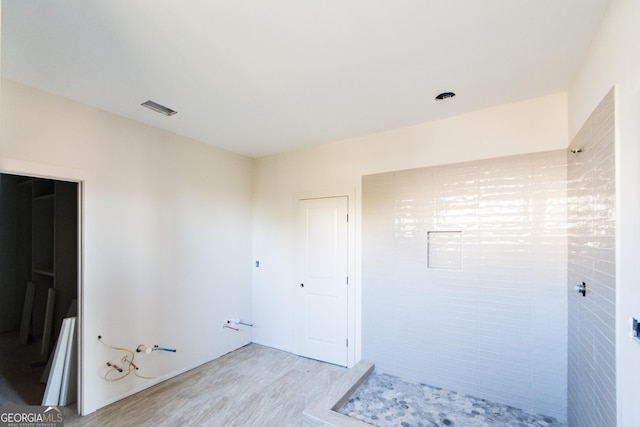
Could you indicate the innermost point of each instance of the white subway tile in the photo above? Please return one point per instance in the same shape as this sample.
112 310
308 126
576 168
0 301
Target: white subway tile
488 328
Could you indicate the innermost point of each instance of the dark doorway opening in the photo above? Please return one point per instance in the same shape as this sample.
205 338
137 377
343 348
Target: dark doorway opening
38 279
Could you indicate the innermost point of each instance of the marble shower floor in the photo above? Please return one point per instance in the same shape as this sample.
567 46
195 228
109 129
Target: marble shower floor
385 401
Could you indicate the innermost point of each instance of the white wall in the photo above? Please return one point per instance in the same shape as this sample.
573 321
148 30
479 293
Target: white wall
524 127
614 59
167 233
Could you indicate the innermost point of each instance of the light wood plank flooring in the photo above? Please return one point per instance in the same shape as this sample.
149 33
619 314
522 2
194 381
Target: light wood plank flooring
252 386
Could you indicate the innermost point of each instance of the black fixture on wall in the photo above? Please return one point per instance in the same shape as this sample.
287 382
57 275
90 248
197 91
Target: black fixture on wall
582 289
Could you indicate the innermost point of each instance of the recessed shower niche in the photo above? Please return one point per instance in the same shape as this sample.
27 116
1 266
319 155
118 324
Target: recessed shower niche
444 250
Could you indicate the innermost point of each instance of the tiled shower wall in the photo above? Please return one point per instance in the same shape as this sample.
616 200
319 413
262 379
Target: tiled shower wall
464 278
591 220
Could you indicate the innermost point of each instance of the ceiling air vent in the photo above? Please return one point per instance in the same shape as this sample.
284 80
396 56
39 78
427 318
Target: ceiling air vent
159 108
445 96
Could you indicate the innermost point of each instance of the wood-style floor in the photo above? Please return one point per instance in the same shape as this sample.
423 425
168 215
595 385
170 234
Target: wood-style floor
252 386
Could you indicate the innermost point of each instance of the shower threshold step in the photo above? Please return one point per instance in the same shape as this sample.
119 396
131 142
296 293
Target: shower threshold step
323 412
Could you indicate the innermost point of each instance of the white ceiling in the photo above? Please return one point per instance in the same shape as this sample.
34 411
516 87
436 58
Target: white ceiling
259 77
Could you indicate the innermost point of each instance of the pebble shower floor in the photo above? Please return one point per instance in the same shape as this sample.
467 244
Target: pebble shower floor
384 400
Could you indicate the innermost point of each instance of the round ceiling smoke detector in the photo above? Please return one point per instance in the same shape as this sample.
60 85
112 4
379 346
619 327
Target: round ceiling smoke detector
445 96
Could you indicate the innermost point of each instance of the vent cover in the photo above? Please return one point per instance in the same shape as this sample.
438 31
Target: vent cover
159 108
445 96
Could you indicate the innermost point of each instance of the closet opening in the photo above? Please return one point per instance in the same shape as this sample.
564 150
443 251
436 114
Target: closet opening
39 289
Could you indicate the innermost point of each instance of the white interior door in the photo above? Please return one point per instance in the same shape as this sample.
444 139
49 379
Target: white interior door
321 294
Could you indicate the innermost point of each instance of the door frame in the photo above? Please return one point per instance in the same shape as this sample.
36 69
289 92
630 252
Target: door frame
353 319
85 181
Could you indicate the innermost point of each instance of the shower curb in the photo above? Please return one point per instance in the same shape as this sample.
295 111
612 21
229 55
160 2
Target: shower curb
323 412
